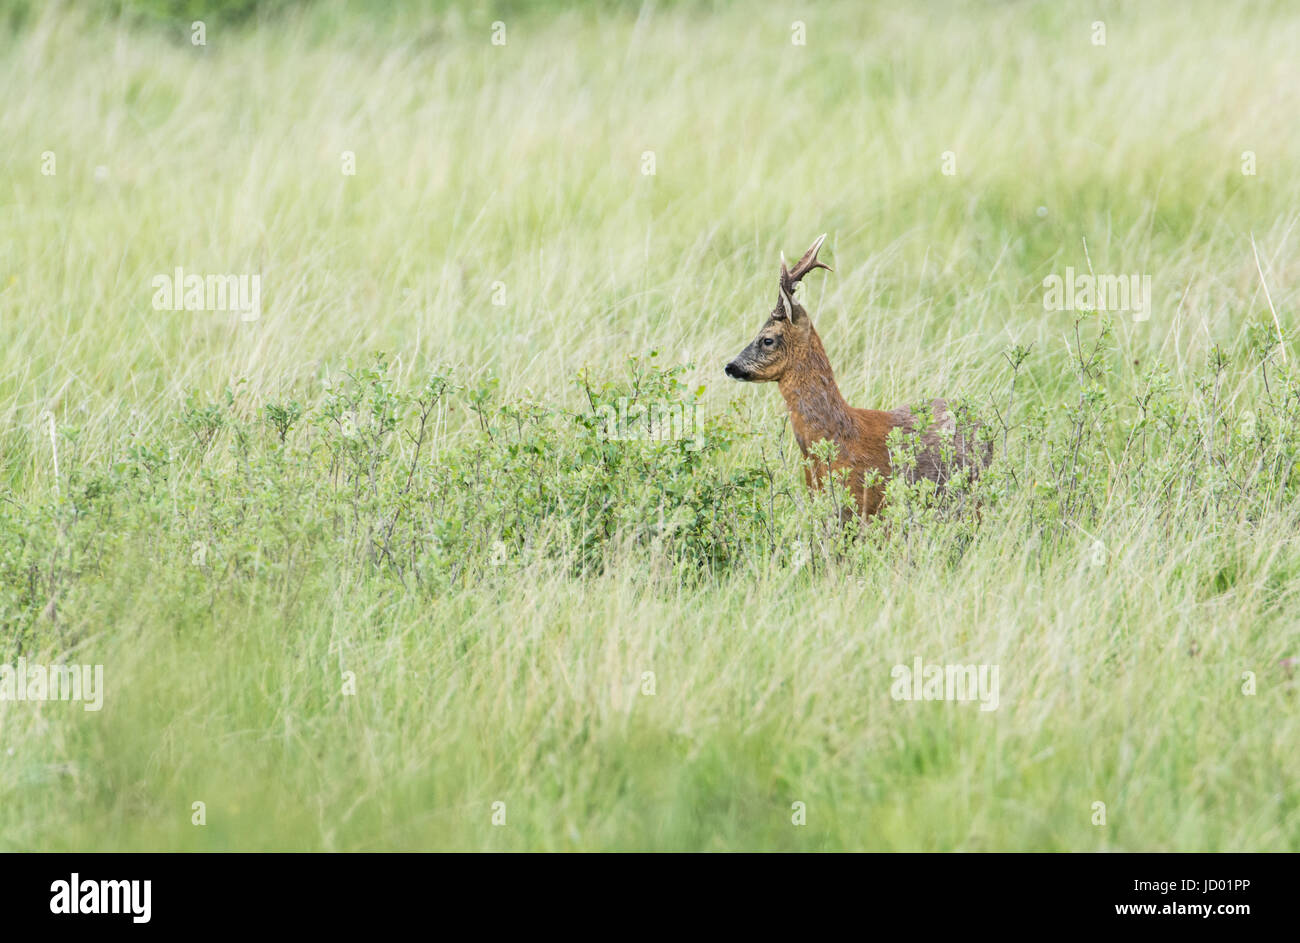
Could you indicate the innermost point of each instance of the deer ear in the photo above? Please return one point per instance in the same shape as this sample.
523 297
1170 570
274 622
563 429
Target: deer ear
784 293
787 302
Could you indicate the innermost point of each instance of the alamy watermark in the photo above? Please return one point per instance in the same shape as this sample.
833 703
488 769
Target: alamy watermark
1087 292
24 682
922 682
660 421
181 292
80 896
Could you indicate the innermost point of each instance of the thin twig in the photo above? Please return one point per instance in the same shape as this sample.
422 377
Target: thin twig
1268 297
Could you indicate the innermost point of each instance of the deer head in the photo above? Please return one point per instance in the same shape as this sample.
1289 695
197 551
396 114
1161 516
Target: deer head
787 332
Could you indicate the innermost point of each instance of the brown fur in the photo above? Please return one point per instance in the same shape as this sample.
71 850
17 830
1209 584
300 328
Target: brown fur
789 352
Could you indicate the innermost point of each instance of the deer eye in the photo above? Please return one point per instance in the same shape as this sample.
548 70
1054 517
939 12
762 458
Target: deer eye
768 342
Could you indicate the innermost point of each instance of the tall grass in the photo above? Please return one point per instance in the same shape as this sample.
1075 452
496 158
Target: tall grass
633 644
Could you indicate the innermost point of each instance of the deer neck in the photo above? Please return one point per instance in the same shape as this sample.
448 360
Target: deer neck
817 410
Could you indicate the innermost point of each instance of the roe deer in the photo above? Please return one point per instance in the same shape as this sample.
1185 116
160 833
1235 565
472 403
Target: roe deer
789 352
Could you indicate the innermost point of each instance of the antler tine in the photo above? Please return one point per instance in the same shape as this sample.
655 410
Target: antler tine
808 262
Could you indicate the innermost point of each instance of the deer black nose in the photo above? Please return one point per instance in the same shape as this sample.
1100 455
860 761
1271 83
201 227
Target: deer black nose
731 370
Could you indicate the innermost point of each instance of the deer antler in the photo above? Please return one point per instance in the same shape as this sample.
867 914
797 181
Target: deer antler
790 277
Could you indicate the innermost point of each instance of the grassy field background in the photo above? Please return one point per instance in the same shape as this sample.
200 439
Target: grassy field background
499 235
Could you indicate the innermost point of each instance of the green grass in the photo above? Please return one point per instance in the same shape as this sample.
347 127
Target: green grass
500 592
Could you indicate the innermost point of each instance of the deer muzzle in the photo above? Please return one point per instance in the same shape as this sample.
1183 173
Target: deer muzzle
735 371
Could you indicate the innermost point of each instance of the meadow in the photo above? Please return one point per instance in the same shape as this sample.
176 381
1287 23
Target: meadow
366 569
